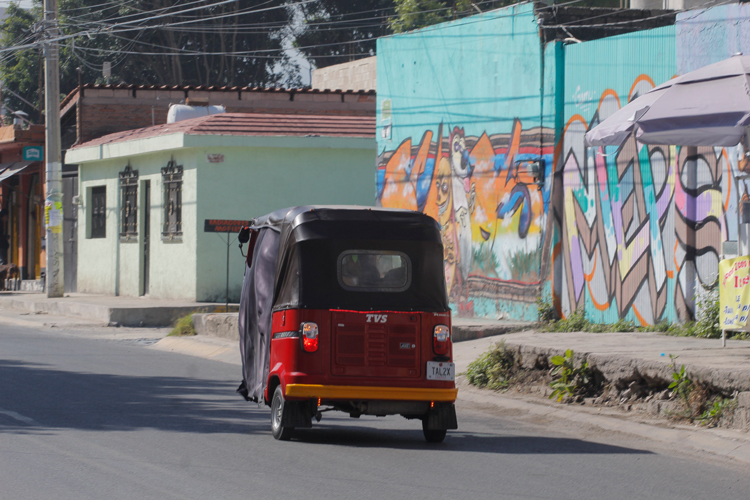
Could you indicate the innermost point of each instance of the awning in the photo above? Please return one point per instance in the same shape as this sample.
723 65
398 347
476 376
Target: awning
4 166
14 168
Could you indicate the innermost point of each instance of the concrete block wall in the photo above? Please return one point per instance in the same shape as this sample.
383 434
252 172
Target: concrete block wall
355 75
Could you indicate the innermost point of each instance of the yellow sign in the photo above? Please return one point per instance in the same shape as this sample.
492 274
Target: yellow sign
734 293
53 216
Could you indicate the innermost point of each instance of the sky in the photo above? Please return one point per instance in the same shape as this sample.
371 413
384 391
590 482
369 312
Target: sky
24 3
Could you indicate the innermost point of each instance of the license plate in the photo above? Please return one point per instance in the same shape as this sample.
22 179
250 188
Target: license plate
437 370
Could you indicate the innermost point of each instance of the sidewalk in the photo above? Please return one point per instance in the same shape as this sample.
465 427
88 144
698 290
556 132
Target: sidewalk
106 309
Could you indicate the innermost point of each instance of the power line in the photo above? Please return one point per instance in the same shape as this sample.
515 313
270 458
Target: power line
112 29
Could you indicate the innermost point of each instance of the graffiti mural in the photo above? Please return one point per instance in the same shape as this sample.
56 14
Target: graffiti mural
491 211
638 228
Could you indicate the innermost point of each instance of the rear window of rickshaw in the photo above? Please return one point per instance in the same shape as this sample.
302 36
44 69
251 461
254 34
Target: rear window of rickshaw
374 271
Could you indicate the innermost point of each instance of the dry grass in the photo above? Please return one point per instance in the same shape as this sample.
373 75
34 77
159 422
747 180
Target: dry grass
183 327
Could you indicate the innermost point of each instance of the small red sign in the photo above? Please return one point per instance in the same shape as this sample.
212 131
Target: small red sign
224 226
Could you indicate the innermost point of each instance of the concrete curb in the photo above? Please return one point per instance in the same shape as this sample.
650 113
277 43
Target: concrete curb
222 325
150 316
622 370
93 312
463 332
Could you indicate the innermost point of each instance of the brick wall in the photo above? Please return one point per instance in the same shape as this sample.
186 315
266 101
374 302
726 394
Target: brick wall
14 133
108 110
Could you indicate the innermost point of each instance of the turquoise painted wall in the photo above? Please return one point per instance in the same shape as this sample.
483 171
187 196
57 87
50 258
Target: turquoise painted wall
612 246
638 228
459 104
480 73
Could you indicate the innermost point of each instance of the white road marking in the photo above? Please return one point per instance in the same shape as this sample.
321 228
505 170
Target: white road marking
19 417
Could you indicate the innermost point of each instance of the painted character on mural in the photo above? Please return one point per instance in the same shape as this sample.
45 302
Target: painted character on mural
444 201
464 196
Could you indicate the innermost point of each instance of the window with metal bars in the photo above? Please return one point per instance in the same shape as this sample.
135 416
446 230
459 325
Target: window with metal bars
129 203
99 212
171 177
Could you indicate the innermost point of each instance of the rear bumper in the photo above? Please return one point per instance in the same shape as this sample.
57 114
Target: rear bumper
358 392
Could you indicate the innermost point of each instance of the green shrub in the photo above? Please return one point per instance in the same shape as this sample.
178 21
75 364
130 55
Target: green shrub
623 325
547 311
681 384
721 406
494 369
662 326
706 324
576 322
570 380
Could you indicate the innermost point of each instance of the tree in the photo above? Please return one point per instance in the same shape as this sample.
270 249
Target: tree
163 43
149 42
415 14
337 31
19 71
412 14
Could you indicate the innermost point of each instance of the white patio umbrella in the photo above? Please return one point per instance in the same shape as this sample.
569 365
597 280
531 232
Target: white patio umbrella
706 107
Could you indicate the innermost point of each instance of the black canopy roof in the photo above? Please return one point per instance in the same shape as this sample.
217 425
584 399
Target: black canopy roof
288 219
311 239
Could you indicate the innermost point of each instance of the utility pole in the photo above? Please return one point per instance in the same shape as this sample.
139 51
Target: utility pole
53 215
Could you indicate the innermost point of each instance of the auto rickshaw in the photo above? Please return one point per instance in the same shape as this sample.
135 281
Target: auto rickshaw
345 308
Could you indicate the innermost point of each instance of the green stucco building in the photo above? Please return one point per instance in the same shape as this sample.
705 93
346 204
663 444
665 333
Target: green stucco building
146 195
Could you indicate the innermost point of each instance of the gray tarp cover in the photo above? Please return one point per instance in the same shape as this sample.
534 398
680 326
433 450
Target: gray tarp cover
256 314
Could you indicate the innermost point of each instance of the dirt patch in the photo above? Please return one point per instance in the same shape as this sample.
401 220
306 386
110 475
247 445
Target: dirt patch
678 399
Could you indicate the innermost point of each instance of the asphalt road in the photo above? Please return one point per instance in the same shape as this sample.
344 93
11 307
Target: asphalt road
93 418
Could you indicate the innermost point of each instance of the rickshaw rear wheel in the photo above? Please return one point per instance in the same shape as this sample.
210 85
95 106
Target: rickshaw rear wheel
433 435
277 411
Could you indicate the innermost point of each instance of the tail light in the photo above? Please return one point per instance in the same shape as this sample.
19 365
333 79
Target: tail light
309 336
441 340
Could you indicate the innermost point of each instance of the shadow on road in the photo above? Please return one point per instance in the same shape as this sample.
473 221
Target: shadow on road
56 399
365 437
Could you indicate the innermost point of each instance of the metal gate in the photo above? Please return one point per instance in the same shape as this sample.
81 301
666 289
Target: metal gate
70 230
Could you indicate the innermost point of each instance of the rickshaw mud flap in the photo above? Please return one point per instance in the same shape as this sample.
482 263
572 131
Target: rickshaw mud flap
297 414
348 392
442 416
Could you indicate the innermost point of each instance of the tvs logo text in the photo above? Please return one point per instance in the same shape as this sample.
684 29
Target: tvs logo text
377 318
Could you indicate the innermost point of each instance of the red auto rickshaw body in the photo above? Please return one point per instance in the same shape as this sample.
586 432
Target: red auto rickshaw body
359 318
362 355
